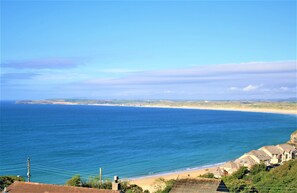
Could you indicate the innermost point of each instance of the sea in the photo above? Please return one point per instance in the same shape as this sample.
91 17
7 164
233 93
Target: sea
130 142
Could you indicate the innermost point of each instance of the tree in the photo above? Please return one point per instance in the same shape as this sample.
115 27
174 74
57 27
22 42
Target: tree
240 173
257 168
5 181
74 181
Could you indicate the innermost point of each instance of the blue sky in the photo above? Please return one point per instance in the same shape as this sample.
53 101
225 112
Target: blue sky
148 50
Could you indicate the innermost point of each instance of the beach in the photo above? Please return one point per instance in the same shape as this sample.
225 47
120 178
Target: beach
151 182
260 110
260 107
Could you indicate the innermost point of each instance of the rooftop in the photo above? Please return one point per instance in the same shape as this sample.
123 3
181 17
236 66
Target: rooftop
231 165
246 160
272 149
286 147
260 154
30 187
200 185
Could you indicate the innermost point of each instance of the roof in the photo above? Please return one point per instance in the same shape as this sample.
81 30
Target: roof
286 147
231 165
218 172
247 160
30 187
272 149
260 154
199 185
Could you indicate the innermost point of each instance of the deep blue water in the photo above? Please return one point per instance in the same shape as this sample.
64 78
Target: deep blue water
65 140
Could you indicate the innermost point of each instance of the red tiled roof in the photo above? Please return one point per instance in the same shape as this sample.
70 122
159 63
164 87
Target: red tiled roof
30 187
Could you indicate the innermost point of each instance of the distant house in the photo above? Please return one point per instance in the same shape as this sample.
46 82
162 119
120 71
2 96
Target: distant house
30 187
259 156
218 172
274 152
231 167
288 151
246 161
200 185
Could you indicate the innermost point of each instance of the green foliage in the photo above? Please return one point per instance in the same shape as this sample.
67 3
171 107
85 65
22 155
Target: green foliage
282 179
74 181
257 168
207 175
240 173
134 189
94 182
164 185
238 185
7 180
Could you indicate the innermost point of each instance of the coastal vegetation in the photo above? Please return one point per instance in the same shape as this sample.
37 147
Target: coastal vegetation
282 179
94 182
5 181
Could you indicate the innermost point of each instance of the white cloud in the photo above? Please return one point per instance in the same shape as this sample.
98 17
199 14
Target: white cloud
283 88
252 87
233 88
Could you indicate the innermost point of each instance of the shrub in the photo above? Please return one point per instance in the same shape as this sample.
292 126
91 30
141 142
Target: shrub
240 173
7 180
74 181
207 175
257 168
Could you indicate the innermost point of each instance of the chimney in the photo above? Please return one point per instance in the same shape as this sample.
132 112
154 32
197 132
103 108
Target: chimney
5 190
115 183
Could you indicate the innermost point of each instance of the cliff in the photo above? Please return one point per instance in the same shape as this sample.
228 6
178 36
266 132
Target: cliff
293 139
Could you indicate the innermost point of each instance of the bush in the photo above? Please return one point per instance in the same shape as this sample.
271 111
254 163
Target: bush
74 181
5 181
257 168
164 186
282 179
207 175
240 173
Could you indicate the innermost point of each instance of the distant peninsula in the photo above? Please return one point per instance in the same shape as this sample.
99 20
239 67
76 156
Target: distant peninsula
281 106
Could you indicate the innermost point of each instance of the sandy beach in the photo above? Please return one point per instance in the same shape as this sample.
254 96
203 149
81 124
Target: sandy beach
259 110
262 110
151 182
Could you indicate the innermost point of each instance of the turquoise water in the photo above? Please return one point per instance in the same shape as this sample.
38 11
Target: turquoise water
65 140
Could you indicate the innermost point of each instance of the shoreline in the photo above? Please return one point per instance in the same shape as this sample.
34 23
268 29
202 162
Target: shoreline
178 171
254 110
150 182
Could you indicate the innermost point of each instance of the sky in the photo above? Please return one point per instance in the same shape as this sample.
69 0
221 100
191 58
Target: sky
185 50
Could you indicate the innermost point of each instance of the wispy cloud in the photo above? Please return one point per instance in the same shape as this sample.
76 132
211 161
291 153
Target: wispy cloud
9 76
48 63
206 74
244 80
252 87
226 81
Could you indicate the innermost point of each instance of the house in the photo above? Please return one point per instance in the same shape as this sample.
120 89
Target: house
199 185
288 151
246 161
230 167
30 187
274 152
218 172
259 156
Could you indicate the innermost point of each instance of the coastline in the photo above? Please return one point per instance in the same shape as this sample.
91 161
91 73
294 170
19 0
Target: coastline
254 110
245 109
150 182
